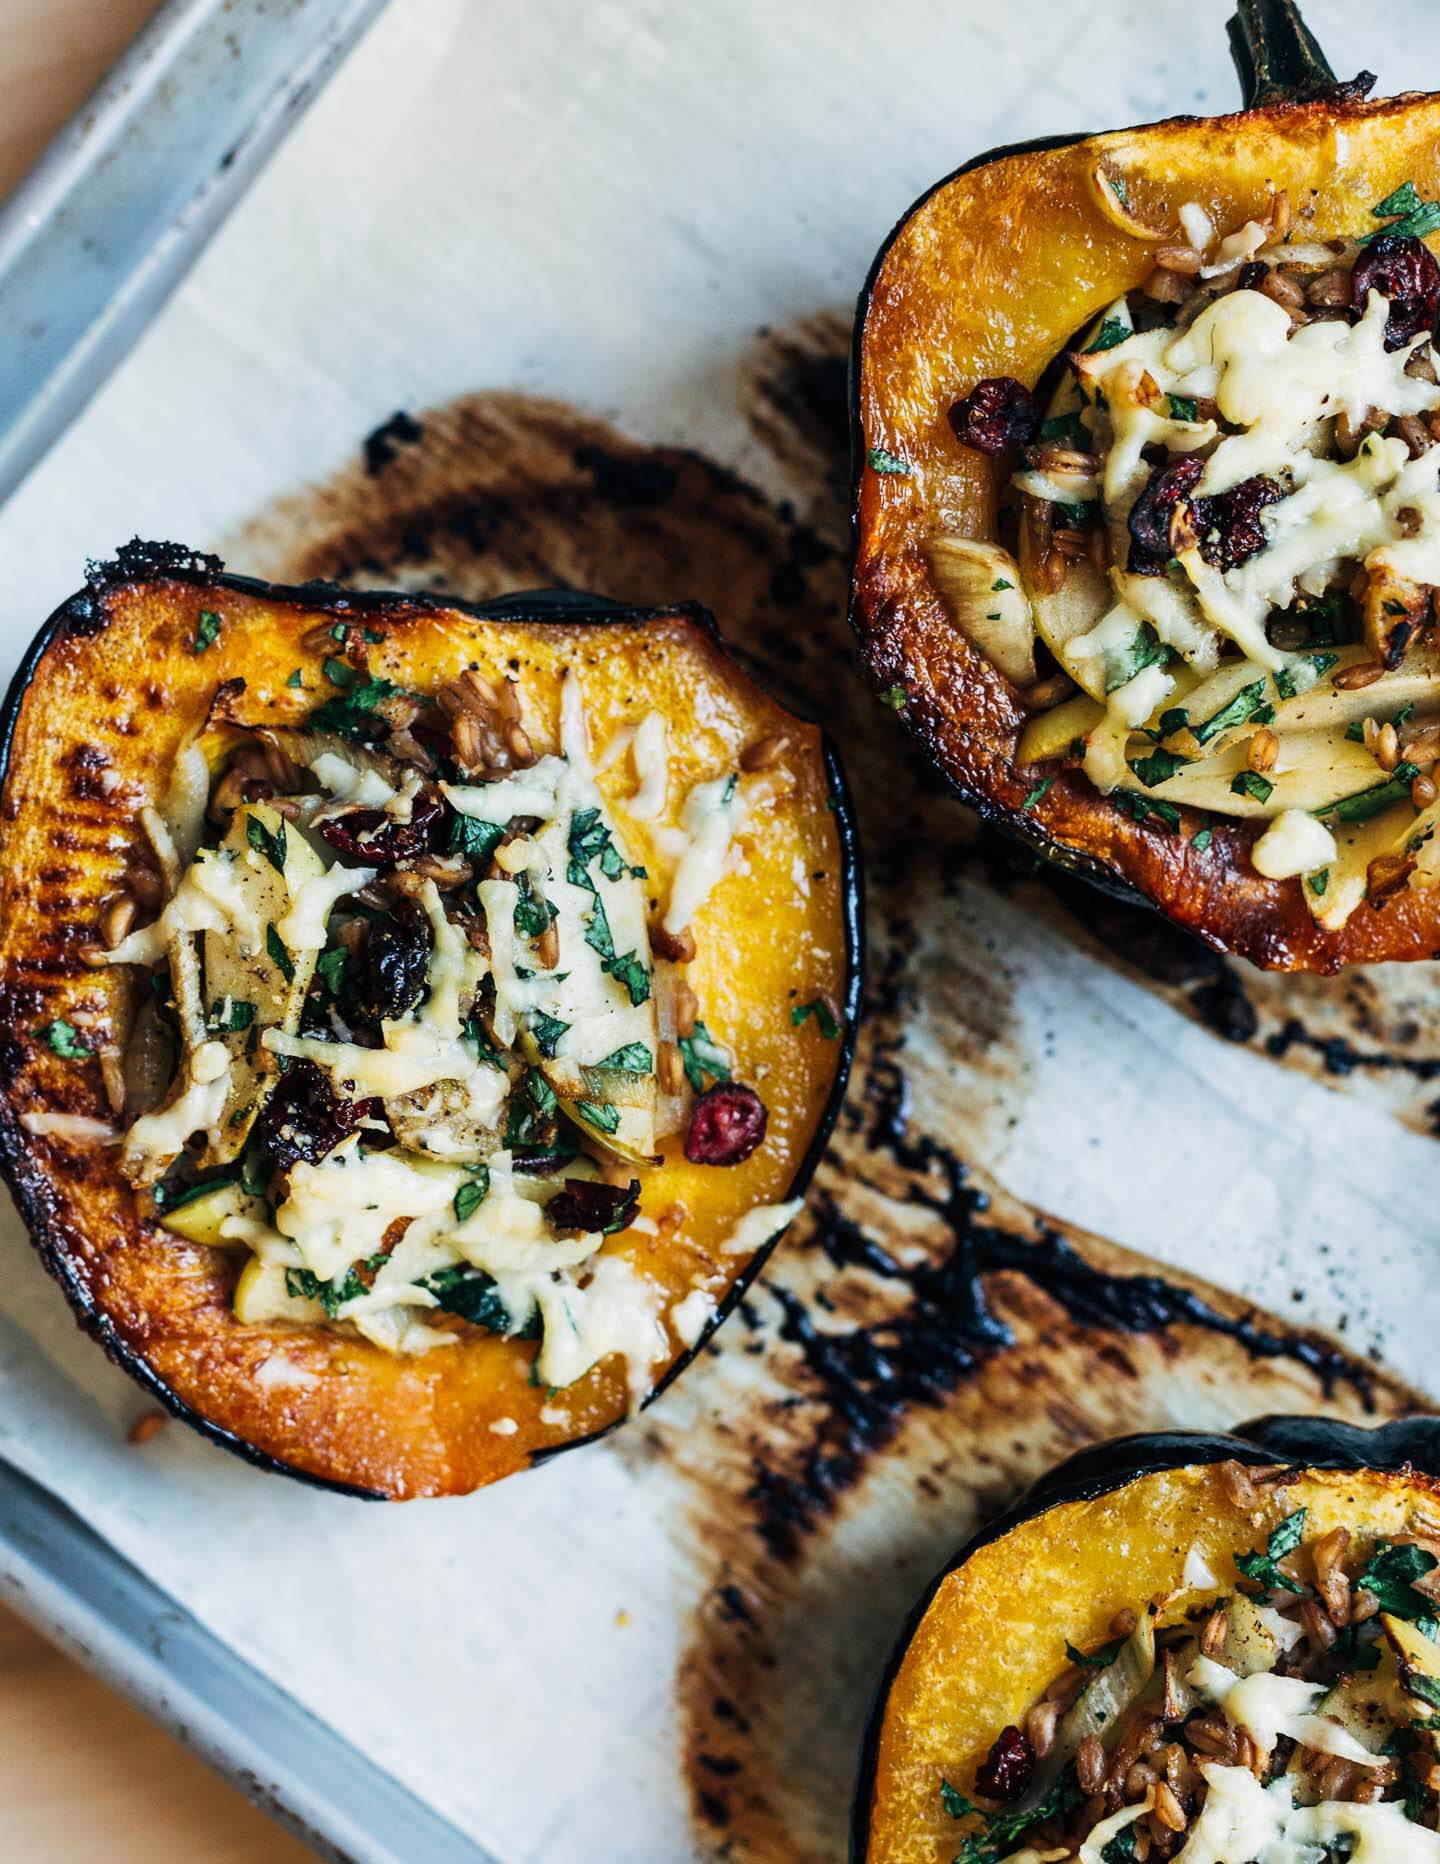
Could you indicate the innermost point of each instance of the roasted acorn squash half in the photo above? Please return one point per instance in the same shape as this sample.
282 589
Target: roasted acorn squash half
420 1020
1101 566
1155 1609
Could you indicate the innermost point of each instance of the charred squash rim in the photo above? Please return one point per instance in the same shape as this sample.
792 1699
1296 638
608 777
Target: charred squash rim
1221 899
1408 1447
82 614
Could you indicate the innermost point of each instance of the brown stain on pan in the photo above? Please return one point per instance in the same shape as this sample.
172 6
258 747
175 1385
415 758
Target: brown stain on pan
924 1346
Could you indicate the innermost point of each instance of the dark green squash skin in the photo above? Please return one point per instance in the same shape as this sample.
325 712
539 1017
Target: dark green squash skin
1411 1443
82 613
1277 60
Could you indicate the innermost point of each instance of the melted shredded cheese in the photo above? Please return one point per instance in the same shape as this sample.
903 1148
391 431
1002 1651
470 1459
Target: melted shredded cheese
708 821
304 927
758 1226
652 767
376 1238
1267 1706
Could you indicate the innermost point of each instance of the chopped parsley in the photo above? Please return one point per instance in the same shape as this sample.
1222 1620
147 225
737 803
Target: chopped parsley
895 697
1389 1579
1174 718
330 968
172 1197
64 1039
999 584
1068 428
886 462
1318 881
1182 408
590 840
597 930
1143 649
1250 783
1112 331
532 1111
634 1058
1248 704
474 1296
232 1015
1121 1848
628 970
1381 796
1001 1831
473 1030
1408 215
476 840
1140 808
1116 184
599 1114
702 1055
338 672
1264 1568
305 1285
1202 839
534 915
547 1031
1302 674
1158 767
472 1193
279 957
272 847
1427 1688
207 630
348 714
1324 615
1038 794
820 1010
1096 1659
295 678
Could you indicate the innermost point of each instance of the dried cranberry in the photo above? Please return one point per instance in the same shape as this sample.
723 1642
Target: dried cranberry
998 413
1252 275
1150 515
589 1206
377 839
393 963
727 1122
304 1118
1005 1774
1228 525
1404 271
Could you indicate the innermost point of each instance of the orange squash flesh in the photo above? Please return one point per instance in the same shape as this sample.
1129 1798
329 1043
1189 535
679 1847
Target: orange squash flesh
95 720
994 273
992 1631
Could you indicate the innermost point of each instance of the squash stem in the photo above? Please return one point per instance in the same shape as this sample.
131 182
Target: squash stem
1277 56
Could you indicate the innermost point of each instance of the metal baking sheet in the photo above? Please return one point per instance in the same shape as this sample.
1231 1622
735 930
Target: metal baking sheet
97 235
606 260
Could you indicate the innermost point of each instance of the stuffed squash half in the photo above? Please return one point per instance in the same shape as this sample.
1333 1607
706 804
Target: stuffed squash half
420 1021
1149 509
1220 1650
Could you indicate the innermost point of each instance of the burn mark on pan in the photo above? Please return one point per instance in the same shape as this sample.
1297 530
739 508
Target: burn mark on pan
384 442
